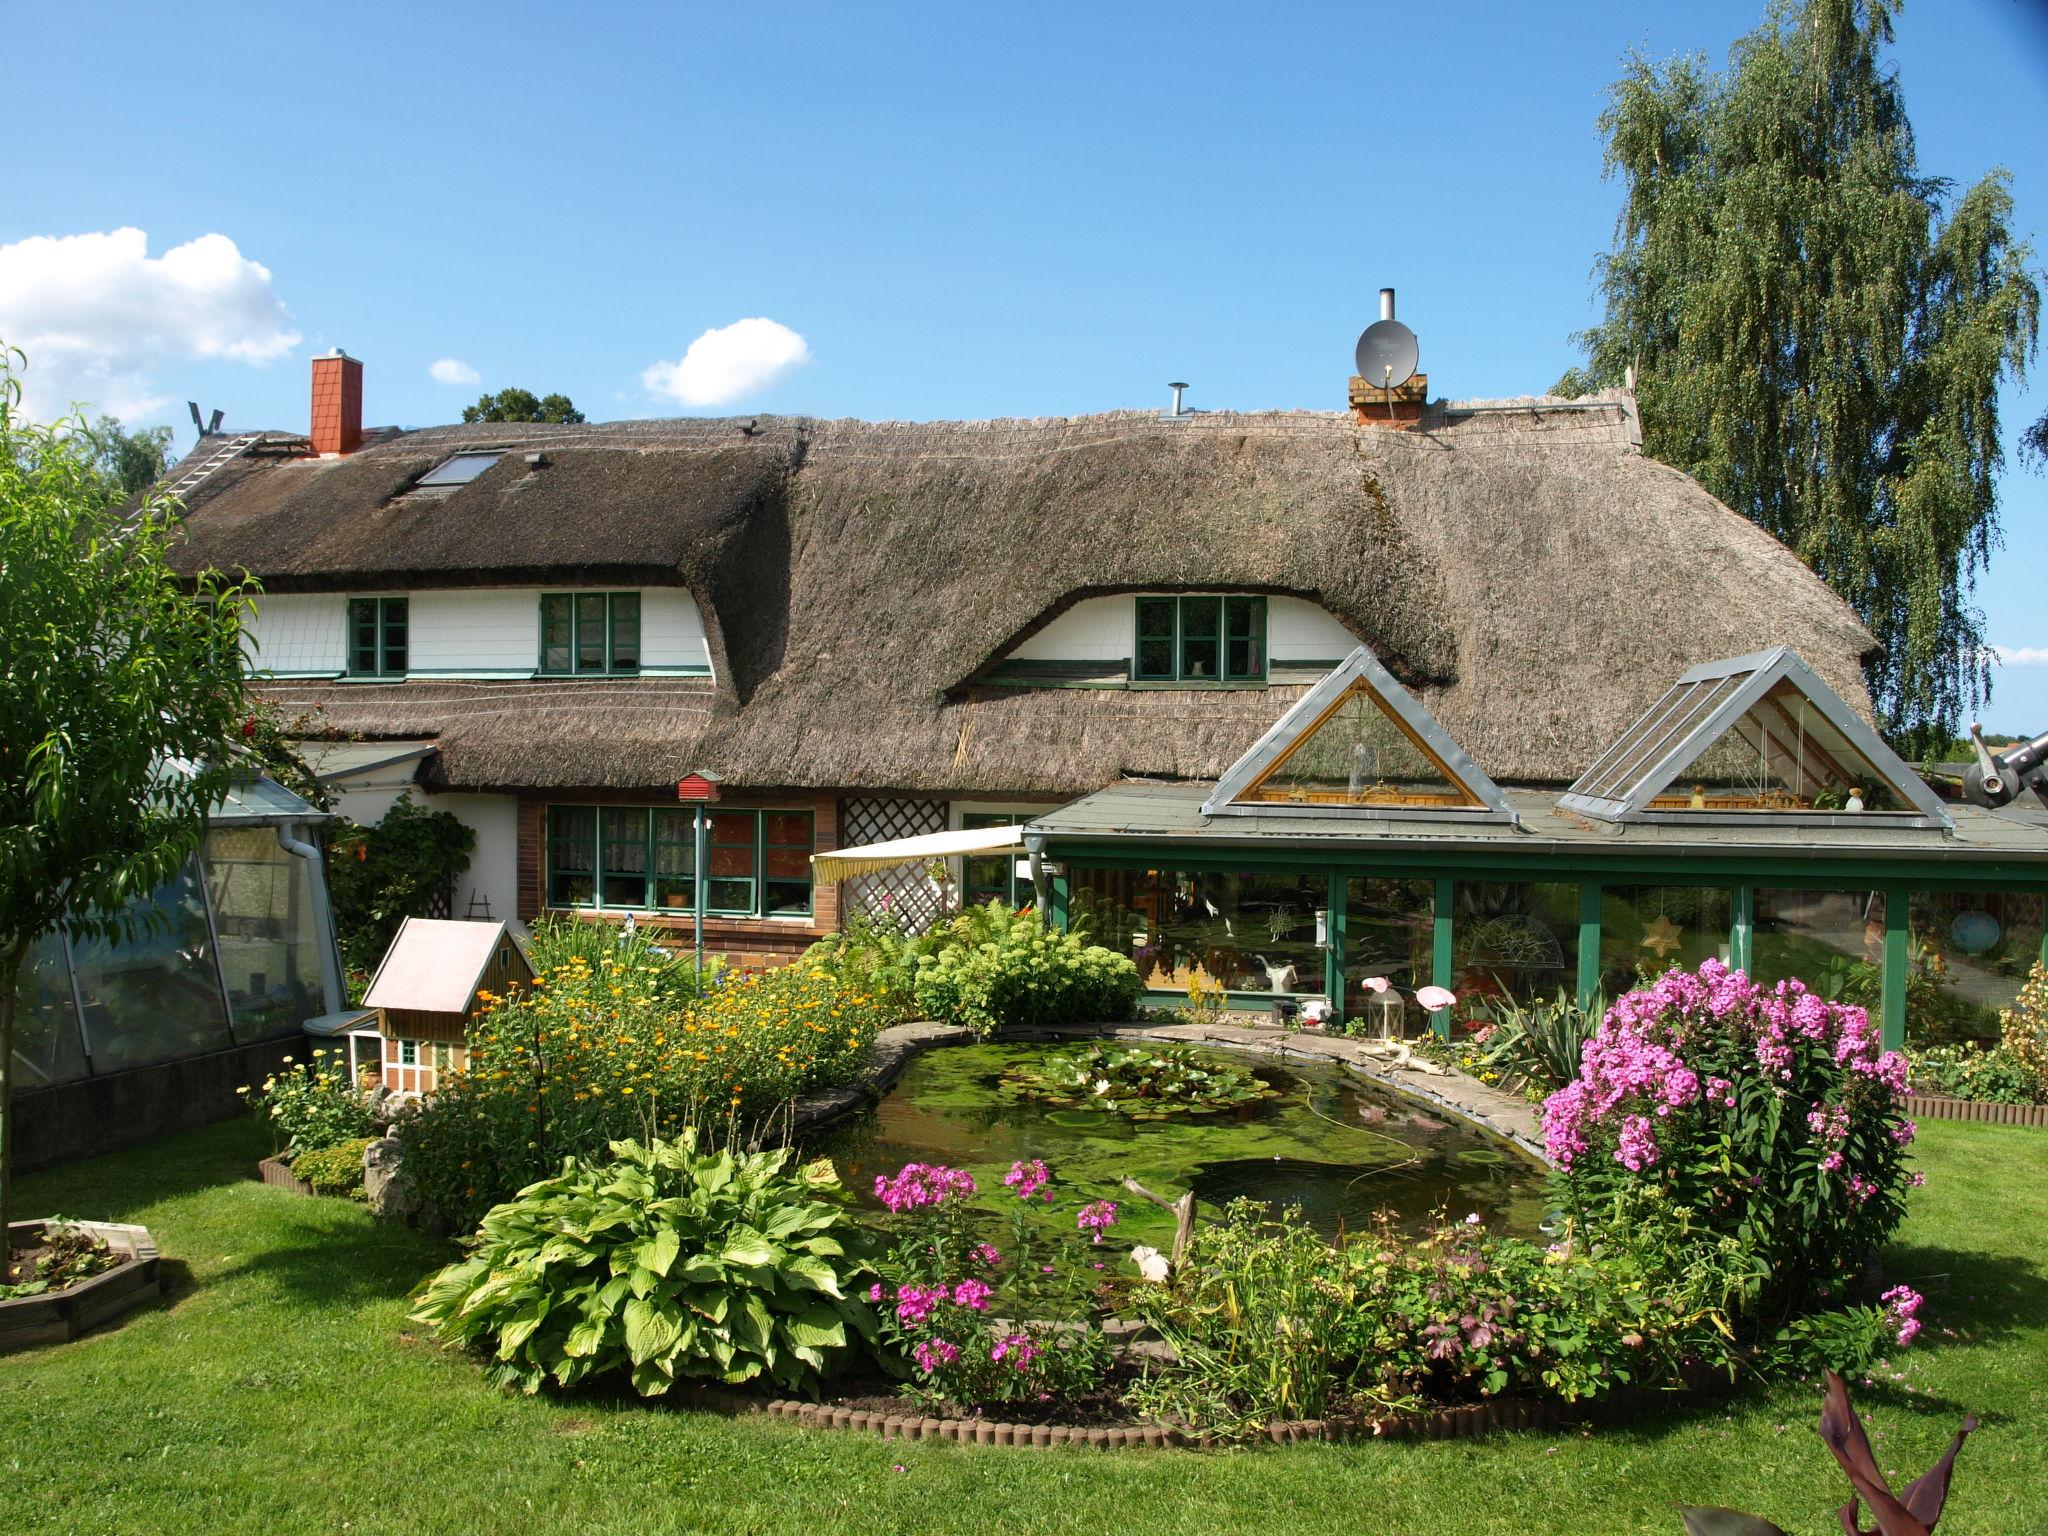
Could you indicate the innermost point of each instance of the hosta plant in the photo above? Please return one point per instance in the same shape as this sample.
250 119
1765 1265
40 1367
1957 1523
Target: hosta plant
1137 1081
663 1263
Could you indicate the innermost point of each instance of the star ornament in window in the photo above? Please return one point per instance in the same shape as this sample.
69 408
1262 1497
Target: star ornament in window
1662 936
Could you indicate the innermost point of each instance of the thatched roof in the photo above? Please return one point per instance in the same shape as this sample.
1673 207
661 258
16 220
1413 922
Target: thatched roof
1525 570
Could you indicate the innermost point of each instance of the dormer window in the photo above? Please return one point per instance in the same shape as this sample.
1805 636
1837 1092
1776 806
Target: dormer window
589 634
459 470
1201 638
377 636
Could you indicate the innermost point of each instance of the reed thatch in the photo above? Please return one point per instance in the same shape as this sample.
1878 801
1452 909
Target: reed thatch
1525 570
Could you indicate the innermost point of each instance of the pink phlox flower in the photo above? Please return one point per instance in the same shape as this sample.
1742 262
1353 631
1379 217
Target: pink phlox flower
972 1293
1027 1179
1097 1217
989 1254
933 1354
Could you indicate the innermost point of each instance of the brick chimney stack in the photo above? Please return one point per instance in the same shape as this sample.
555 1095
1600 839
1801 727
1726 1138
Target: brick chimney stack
337 403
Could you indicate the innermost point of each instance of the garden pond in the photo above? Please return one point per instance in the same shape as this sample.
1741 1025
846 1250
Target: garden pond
1324 1141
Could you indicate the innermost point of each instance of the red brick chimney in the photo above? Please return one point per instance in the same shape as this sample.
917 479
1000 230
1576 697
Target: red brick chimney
337 403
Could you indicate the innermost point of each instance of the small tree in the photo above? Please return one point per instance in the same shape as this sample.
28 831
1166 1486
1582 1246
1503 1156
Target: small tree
120 699
517 404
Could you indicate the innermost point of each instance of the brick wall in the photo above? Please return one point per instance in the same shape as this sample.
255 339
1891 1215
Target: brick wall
751 944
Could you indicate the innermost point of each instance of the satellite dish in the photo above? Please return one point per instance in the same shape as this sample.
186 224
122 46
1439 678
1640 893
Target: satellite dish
1387 354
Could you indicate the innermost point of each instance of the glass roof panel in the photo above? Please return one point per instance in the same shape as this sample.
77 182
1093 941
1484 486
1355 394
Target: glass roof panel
1646 743
460 470
1781 754
1360 754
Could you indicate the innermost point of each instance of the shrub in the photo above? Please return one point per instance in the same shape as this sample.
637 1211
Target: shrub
877 959
1005 970
662 1262
1771 1116
335 1170
979 1322
594 1054
2025 1030
667 975
313 1104
379 876
1995 1076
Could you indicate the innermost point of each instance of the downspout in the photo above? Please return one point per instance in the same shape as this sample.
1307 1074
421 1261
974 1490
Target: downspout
1041 886
323 918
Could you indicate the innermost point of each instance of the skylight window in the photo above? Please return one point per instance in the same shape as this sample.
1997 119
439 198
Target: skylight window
1358 744
1756 735
460 470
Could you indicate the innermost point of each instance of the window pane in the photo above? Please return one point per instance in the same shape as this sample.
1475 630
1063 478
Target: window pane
46 1044
572 855
625 631
460 470
732 829
1514 940
362 635
787 863
556 628
1252 933
787 898
590 632
1647 929
1201 624
674 859
730 861
735 896
1971 952
154 995
395 635
1245 637
1155 637
791 829
269 942
624 853
1389 932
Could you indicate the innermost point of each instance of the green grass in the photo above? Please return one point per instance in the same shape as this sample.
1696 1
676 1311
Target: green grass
280 1389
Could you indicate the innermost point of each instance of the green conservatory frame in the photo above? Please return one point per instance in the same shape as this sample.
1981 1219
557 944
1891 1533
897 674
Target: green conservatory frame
1534 837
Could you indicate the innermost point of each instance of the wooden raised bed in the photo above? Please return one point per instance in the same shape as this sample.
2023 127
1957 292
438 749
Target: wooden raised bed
277 1173
56 1317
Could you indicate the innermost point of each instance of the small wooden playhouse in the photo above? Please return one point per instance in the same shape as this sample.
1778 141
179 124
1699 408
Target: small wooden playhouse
425 992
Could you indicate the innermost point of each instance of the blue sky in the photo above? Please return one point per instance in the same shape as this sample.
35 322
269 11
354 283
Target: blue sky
960 211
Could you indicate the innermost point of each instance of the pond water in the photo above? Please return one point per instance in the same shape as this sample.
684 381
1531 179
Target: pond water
1336 1147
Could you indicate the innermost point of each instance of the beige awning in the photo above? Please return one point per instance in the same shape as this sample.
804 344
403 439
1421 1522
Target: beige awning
848 862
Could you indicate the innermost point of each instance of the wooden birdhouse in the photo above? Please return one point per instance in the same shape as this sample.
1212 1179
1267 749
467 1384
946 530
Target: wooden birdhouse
427 989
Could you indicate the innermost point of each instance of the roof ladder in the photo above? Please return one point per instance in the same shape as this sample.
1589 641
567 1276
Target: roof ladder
233 448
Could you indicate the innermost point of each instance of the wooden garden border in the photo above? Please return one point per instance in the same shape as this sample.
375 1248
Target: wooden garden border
1927 1106
56 1317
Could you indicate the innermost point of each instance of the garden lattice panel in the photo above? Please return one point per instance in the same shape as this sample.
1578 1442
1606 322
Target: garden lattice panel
905 895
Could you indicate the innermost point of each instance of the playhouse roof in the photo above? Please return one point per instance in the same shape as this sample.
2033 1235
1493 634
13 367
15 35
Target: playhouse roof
434 965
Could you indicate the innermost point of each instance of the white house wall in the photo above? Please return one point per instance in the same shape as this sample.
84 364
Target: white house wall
1106 629
462 632
493 872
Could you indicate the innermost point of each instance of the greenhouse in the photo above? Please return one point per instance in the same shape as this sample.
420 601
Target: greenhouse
233 957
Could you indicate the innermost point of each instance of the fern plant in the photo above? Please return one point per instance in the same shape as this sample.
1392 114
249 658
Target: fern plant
663 1263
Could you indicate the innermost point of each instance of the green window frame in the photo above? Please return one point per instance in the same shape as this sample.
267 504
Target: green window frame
1200 638
632 858
589 634
986 877
379 636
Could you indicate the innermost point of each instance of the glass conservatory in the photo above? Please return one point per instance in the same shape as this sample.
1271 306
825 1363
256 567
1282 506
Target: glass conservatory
1357 853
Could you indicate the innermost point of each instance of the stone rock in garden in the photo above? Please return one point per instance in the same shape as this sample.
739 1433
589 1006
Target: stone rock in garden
390 1192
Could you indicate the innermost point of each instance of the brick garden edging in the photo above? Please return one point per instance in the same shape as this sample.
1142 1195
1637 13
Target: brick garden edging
1435 1424
1927 1106
277 1173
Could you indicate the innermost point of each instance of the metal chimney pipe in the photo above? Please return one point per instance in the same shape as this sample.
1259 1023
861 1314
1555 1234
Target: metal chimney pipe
1177 388
1386 303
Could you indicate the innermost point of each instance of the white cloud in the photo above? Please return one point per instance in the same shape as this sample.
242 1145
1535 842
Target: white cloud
2019 655
97 315
452 370
729 363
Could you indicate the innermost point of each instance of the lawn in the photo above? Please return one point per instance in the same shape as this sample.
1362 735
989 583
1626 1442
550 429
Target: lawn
281 1389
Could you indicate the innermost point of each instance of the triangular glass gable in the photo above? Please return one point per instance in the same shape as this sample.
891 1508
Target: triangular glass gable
1756 735
1358 744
